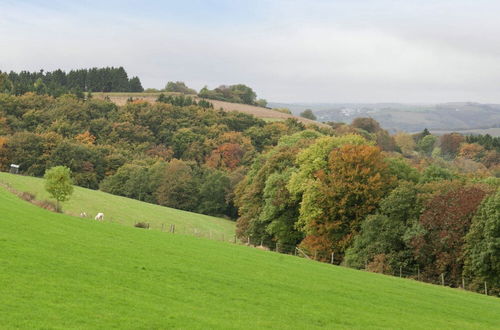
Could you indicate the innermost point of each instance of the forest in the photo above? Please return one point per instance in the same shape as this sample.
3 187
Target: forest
58 82
346 194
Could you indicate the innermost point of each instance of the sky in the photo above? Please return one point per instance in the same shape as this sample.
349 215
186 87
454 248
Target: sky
359 51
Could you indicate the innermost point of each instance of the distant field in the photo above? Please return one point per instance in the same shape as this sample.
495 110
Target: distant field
259 112
128 211
61 272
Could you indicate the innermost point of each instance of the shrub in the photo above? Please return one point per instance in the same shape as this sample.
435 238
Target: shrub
144 225
27 196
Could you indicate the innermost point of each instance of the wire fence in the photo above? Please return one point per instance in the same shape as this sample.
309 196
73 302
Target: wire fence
413 273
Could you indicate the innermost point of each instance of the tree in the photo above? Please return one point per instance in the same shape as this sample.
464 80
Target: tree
333 205
6 85
482 249
308 114
177 187
436 173
445 222
365 123
426 144
384 234
135 85
450 144
58 184
405 142
179 87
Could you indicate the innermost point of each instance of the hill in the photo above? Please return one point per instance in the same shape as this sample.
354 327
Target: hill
127 211
458 116
65 272
259 112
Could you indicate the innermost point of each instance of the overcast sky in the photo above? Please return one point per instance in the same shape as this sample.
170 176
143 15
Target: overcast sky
287 50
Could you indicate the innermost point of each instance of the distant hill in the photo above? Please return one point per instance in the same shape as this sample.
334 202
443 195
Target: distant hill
411 117
259 112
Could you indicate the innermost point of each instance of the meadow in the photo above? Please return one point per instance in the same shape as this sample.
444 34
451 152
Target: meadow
62 272
127 211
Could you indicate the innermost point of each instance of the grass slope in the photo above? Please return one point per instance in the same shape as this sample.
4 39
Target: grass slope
62 272
127 211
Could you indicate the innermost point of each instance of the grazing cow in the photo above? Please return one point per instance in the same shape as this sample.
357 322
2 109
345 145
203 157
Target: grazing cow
99 216
83 215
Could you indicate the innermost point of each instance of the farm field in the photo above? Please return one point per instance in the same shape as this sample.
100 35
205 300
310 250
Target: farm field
64 272
127 211
259 112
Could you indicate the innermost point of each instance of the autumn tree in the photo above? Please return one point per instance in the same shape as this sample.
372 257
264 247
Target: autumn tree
405 142
445 221
342 194
450 144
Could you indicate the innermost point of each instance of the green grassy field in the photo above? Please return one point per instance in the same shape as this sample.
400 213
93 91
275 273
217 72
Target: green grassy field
58 271
127 211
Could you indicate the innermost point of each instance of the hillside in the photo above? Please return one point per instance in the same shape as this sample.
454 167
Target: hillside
259 112
127 211
65 272
462 117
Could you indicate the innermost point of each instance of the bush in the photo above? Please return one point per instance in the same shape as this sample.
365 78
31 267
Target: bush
48 205
27 196
144 225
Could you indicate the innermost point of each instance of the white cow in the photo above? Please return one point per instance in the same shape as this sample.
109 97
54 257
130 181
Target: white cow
99 216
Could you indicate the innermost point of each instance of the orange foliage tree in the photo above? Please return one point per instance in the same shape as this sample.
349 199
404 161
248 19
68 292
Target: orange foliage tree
350 188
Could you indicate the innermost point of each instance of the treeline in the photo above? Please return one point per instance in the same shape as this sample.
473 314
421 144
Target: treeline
235 93
176 152
425 205
58 82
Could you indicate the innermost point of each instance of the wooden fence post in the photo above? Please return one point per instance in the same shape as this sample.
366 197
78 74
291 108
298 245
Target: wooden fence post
463 283
332 258
485 288
162 227
442 279
418 272
400 271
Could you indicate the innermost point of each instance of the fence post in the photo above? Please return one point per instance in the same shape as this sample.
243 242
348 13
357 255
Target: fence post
234 239
418 272
332 258
316 255
295 251
400 271
162 227
442 279
463 283
485 288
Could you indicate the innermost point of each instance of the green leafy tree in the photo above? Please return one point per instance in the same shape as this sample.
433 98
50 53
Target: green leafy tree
308 114
58 184
482 250
426 144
